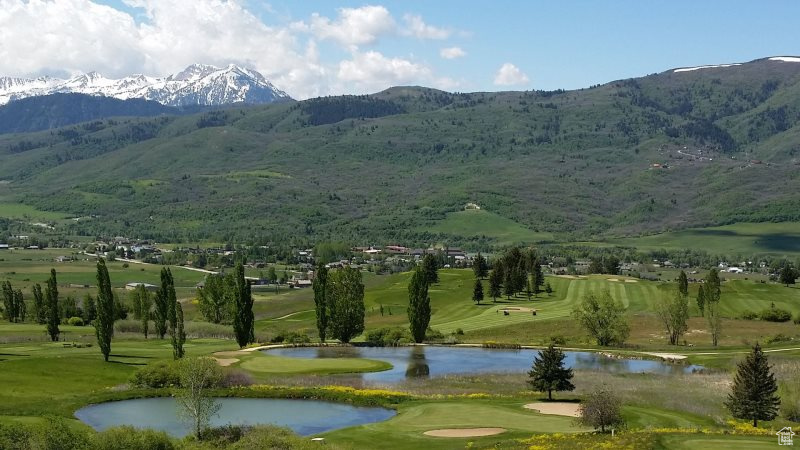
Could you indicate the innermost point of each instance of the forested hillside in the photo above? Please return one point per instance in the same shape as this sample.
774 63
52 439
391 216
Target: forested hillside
663 152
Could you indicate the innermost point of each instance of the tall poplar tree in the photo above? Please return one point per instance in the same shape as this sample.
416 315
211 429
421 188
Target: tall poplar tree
179 338
431 268
683 284
53 314
754 392
104 323
39 306
243 300
419 305
162 302
320 302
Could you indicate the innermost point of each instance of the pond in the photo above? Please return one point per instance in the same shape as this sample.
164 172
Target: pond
432 361
305 417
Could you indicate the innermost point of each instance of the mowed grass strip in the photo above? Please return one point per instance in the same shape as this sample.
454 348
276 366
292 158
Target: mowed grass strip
272 364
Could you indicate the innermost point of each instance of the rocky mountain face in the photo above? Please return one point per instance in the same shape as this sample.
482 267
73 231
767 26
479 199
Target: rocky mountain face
198 84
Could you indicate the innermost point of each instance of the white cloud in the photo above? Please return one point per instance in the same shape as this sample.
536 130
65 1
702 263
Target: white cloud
65 37
510 75
452 53
371 71
416 27
353 27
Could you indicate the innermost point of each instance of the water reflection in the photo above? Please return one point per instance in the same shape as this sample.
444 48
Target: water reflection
417 364
431 361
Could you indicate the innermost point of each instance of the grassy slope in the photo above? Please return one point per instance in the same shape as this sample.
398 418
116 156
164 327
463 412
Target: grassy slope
477 223
782 238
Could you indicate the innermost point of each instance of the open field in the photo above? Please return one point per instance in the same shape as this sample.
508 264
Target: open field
482 223
779 239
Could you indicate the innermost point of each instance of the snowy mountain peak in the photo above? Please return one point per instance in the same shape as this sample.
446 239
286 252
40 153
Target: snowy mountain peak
198 84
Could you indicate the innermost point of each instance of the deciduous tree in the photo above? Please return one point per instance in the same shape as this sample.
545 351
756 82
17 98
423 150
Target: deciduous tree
320 301
212 300
243 319
104 324
39 306
51 300
601 410
431 268
198 376
419 305
345 299
674 314
603 318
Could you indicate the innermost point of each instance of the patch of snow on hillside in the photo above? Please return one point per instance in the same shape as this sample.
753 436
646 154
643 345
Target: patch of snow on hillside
689 69
785 58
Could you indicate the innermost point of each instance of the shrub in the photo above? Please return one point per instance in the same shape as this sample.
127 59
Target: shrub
773 314
235 377
158 375
780 337
748 315
291 337
127 437
797 319
125 265
558 340
459 332
432 335
388 337
75 321
493 344
127 326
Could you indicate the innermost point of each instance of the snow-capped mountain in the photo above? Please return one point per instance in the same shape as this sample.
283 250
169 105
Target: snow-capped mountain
198 84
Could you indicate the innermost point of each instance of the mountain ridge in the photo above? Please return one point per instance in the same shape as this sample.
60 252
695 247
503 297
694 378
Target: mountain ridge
198 84
656 153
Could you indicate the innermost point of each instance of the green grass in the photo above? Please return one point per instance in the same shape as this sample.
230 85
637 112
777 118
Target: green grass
25 212
478 223
260 363
405 431
779 239
712 442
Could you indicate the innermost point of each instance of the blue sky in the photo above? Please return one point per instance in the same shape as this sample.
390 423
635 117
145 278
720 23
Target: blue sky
311 48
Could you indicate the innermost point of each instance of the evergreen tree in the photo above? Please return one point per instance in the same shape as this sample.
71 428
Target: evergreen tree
431 269
701 299
161 310
538 277
320 304
477 291
548 372
495 283
683 284
243 320
419 305
753 395
51 302
345 298
529 289
39 306
508 282
787 275
104 324
480 267
548 288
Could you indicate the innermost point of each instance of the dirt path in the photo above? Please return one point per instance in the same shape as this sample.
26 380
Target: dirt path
556 408
464 432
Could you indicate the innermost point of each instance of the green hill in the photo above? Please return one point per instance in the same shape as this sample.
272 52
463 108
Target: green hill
664 152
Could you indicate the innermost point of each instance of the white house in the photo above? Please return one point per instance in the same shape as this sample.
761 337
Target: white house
734 269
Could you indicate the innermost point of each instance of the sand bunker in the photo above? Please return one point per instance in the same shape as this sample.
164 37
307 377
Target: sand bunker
631 281
225 362
571 277
517 309
557 408
464 432
612 279
666 355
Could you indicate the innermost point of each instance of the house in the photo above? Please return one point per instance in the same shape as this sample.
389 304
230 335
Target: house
133 286
785 436
302 283
4 247
397 249
733 269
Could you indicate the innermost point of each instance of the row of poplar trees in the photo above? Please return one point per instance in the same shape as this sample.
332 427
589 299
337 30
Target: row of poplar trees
339 303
